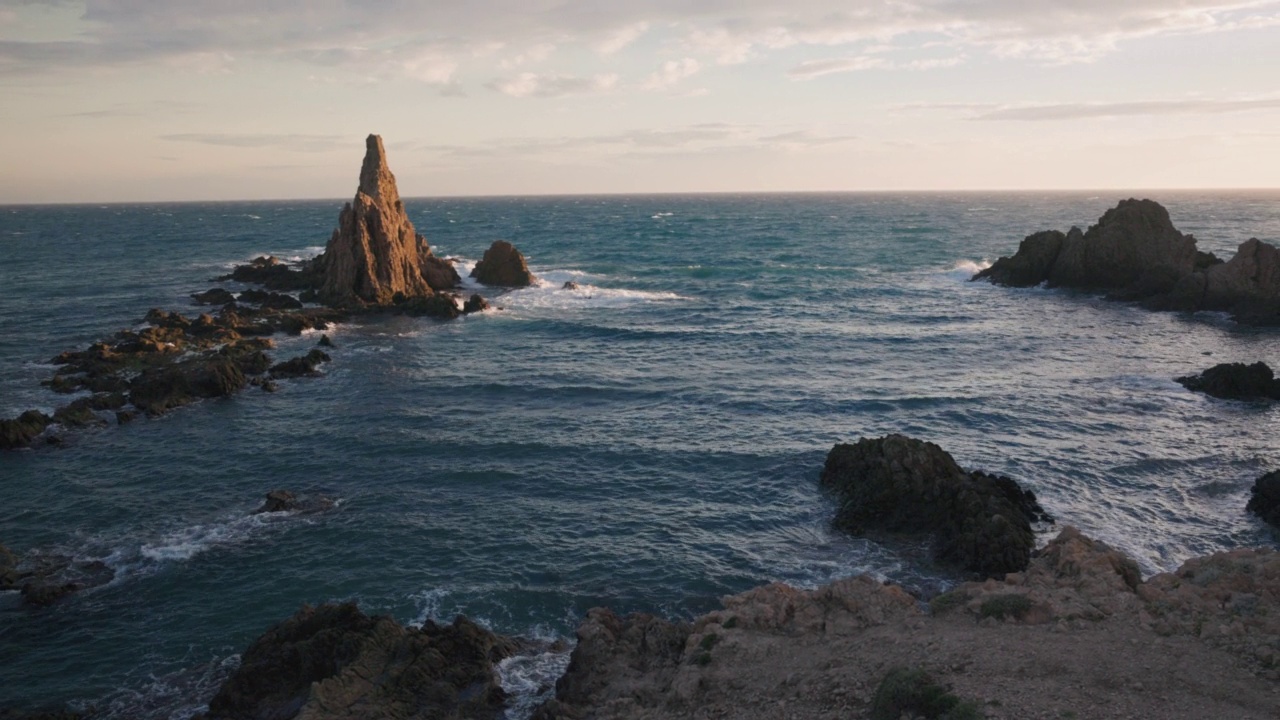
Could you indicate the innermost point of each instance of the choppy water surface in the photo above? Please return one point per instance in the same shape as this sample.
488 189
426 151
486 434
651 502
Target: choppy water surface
649 441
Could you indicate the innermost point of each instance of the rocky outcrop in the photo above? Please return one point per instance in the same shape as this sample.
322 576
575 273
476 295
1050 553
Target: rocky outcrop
895 484
20 431
1135 253
503 266
44 579
1264 500
1235 381
1078 625
475 303
334 662
375 253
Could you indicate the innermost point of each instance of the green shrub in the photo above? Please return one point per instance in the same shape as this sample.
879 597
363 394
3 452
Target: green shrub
915 693
948 601
1000 607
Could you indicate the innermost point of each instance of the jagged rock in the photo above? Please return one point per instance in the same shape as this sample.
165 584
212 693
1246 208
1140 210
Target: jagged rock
612 650
569 285
334 662
503 266
271 273
475 303
324 341
375 253
896 484
302 366
1030 266
1235 381
215 296
439 273
1136 253
20 431
1264 501
1248 284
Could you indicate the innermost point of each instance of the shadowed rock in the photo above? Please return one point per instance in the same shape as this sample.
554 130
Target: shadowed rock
20 431
302 366
1235 381
375 253
896 484
503 266
475 303
334 662
1265 498
1135 253
285 501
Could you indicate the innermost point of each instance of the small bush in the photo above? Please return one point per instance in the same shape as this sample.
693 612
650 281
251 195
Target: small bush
709 641
948 601
1000 607
730 623
915 693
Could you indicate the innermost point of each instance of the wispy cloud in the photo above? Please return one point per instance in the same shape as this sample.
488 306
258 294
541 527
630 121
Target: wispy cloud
295 143
818 68
553 86
672 73
1078 111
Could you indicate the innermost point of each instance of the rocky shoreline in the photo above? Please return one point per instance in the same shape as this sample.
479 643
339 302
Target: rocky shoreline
374 264
1067 630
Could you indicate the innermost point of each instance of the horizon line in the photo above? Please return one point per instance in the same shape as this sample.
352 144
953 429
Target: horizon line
659 193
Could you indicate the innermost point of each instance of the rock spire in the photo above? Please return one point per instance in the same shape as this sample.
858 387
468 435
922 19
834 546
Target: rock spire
375 254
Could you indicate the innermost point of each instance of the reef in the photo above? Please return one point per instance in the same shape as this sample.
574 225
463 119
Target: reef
1135 253
1235 381
375 263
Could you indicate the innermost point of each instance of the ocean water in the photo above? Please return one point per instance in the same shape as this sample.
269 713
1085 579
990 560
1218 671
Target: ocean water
650 441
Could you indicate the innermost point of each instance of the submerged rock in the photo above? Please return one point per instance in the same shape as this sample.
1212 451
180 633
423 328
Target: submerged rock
1264 501
20 431
215 296
333 661
475 303
1235 381
503 266
375 253
285 501
895 484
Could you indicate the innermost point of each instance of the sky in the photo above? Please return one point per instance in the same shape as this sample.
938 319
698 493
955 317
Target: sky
155 100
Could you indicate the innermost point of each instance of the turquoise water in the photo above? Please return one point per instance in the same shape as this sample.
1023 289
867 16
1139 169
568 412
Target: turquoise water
650 441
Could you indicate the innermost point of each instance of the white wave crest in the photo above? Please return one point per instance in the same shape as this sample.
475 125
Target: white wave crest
970 267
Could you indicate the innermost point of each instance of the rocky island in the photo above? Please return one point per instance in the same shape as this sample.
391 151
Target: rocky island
1135 253
375 263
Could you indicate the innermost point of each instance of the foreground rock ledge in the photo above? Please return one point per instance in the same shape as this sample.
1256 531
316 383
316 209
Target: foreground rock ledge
333 661
1135 253
978 522
1078 634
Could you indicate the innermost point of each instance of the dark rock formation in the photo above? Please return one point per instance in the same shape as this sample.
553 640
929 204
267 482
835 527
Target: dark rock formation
285 501
375 253
8 569
333 661
569 285
612 649
302 366
475 303
1265 500
278 301
45 579
503 266
896 484
1235 381
1135 253
215 296
20 431
272 273
157 391
324 341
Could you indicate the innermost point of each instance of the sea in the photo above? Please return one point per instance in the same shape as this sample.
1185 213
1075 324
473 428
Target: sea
650 440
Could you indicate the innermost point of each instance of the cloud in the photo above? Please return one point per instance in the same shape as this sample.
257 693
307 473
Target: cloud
1079 111
671 73
818 68
295 143
372 38
552 86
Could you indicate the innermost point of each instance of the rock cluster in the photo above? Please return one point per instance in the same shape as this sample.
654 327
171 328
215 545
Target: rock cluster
43 580
895 484
334 662
503 266
1235 381
375 254
1135 253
